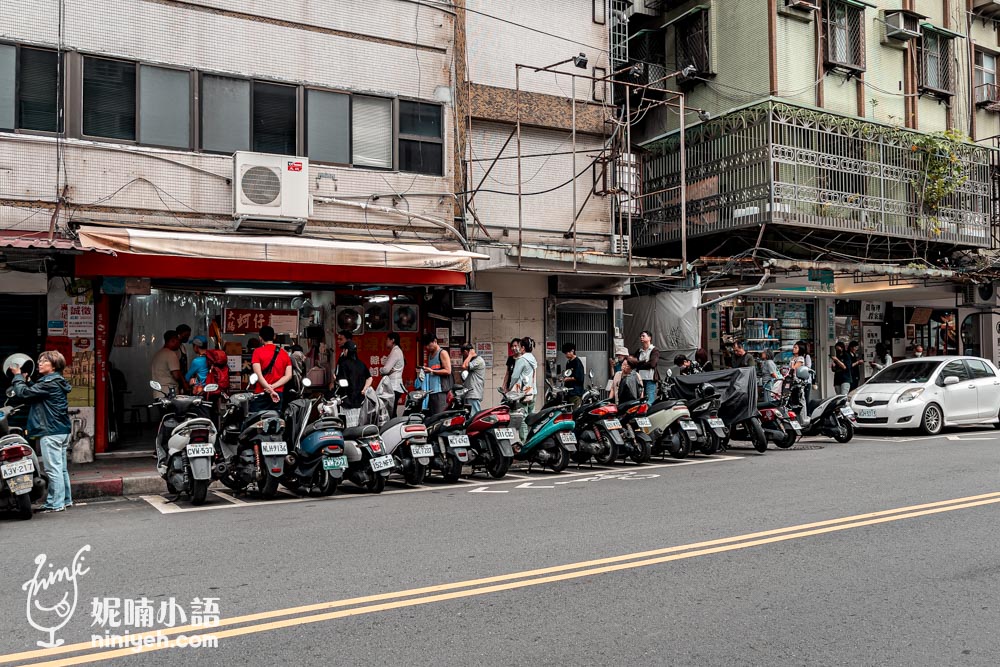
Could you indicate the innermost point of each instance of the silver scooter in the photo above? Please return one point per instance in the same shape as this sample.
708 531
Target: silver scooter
404 438
185 443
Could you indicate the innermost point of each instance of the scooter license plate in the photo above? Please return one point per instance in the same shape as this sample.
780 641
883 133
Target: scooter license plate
22 467
612 424
567 438
847 412
194 451
689 426
422 451
458 441
273 448
334 462
506 434
716 423
643 422
382 463
796 426
20 484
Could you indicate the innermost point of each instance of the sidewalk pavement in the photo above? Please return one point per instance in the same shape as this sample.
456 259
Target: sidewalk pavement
114 476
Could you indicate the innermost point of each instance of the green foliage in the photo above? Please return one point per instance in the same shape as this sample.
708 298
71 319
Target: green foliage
944 170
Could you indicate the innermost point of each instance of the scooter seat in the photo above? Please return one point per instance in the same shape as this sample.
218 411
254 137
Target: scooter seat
813 404
628 405
396 421
536 417
357 432
665 405
762 405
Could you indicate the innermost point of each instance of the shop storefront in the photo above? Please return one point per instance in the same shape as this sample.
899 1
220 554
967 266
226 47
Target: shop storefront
225 290
772 324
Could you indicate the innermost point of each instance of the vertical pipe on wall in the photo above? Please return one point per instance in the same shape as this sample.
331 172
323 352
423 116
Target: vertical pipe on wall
520 203
683 148
772 44
572 210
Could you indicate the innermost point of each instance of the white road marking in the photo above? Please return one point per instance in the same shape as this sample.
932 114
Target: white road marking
531 485
483 489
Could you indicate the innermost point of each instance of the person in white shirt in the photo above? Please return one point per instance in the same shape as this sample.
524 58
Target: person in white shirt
392 370
166 365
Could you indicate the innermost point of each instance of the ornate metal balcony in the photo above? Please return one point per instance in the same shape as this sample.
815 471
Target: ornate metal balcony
778 164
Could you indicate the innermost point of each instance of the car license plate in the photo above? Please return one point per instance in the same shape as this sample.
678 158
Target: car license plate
867 413
612 424
796 425
382 463
22 467
421 451
273 448
334 462
716 423
200 450
506 433
847 412
643 422
567 438
689 425
458 441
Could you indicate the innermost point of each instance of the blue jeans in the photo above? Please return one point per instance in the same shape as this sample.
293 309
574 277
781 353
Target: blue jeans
649 386
475 405
54 453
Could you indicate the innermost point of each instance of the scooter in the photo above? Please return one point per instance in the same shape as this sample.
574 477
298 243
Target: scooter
317 461
404 438
598 429
185 443
21 481
491 437
672 429
253 448
833 417
635 431
779 423
705 412
550 440
368 465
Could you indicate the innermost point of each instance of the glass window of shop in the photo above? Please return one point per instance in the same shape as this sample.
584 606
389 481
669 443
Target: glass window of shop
771 324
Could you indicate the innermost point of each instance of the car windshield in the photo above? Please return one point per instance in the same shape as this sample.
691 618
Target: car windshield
916 372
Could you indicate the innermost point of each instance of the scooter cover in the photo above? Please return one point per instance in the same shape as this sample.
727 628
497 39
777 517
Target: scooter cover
737 389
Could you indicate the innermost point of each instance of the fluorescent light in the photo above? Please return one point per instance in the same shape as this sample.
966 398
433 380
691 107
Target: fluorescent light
250 291
721 290
378 299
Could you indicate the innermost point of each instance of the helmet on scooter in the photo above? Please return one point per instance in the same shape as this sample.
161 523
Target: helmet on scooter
804 374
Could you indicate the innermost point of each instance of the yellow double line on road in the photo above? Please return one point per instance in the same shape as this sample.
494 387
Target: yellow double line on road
261 622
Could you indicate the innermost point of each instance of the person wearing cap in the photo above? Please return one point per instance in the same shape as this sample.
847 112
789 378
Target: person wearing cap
198 368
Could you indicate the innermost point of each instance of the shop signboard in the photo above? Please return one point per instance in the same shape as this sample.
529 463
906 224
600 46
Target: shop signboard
872 312
485 350
550 350
80 320
443 334
285 324
56 328
250 320
872 336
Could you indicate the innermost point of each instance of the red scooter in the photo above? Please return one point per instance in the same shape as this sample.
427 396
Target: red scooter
491 437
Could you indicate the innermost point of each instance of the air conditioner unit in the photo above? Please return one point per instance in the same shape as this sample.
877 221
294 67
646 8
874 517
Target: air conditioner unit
808 5
984 295
471 301
619 244
271 187
902 26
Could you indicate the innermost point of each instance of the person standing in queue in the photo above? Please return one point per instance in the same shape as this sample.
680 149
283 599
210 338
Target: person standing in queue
48 418
475 382
575 380
359 379
439 380
840 366
166 365
645 361
856 362
626 385
273 367
515 352
184 333
392 370
523 379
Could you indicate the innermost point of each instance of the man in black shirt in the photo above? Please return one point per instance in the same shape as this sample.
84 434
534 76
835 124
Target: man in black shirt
841 366
515 352
574 380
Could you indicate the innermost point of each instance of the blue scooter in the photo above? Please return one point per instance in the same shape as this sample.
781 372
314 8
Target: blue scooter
550 439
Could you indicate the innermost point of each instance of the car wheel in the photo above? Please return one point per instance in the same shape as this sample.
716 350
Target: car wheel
933 420
996 424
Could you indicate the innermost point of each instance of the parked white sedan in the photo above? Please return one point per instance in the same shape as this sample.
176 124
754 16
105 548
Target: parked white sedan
929 394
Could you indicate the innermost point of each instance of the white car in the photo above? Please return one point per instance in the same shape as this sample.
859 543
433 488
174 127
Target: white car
929 394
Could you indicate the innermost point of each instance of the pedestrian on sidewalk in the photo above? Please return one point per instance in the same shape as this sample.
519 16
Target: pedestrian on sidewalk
575 380
184 333
166 365
839 364
515 352
475 382
856 362
645 361
438 373
48 418
198 368
273 367
523 378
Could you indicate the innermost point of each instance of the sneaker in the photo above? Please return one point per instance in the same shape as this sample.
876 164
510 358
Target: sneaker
50 510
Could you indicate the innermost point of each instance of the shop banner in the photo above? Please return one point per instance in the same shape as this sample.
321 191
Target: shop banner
485 350
79 320
872 312
872 336
250 320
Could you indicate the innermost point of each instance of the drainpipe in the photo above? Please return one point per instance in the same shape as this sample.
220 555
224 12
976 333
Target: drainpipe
746 290
365 206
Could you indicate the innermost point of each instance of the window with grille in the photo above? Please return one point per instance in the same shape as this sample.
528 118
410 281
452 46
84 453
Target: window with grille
936 63
986 78
844 31
691 42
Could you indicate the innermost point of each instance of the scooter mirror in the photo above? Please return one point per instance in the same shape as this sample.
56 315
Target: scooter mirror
342 383
153 384
306 382
465 375
209 388
253 378
591 374
10 392
568 374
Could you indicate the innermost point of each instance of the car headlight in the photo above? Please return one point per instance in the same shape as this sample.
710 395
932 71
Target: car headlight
910 394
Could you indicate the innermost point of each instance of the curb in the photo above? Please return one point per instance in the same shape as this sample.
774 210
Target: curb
120 486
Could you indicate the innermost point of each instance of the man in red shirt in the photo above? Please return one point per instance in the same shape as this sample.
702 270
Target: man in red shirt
273 367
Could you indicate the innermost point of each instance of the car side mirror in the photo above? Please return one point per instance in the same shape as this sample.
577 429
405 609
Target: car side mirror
10 392
950 380
591 374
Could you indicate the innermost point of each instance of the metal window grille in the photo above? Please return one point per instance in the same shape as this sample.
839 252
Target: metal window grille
844 31
692 47
936 75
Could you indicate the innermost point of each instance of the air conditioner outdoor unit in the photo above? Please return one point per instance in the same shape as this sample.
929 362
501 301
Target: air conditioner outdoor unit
982 295
802 4
902 26
271 187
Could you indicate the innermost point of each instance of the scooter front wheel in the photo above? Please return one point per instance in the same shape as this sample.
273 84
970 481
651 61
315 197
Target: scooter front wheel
757 436
788 440
845 432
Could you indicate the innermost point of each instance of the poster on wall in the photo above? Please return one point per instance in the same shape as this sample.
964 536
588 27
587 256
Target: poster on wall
405 318
485 350
872 336
442 334
872 312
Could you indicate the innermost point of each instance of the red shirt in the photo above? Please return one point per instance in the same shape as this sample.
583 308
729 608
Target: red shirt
263 355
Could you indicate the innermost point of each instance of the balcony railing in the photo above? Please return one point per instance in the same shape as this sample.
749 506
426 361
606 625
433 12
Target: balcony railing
988 96
780 164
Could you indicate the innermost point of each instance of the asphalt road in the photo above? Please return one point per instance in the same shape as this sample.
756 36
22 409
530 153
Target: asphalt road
861 553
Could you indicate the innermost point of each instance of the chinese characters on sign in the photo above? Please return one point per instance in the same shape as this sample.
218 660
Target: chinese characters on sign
249 320
872 312
485 350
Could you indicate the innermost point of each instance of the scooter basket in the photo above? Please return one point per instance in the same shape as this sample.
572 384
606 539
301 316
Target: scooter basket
516 419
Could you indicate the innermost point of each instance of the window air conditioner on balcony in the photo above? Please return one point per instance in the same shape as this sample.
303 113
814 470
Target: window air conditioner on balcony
807 5
271 188
982 295
902 26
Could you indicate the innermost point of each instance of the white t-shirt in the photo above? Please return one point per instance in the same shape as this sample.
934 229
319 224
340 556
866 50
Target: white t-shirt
647 373
165 361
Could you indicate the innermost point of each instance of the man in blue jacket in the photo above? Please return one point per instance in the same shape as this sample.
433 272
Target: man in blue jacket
48 419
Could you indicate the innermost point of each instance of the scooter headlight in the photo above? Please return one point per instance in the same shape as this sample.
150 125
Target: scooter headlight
910 394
